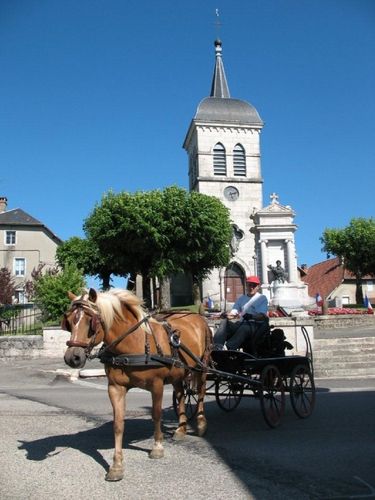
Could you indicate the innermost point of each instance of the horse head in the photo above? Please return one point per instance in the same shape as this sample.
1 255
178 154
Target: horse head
84 322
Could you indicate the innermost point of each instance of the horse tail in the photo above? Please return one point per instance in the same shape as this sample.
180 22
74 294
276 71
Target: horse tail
206 358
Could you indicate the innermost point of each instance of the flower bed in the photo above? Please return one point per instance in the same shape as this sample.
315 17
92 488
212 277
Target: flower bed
339 310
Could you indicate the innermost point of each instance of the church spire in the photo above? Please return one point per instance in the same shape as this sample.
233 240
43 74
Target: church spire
219 87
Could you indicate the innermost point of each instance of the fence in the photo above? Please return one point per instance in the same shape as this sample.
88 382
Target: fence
20 320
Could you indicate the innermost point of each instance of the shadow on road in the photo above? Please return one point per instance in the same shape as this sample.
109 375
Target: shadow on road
319 457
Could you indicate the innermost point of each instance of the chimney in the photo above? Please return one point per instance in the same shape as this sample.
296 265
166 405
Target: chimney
3 204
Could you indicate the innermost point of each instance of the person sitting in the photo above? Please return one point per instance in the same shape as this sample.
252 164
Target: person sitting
247 322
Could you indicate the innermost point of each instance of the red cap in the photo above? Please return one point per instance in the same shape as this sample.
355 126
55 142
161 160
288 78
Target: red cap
253 279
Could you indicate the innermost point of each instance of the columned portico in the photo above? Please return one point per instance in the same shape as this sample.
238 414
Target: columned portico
263 260
274 228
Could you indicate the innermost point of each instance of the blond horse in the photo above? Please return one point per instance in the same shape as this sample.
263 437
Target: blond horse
139 352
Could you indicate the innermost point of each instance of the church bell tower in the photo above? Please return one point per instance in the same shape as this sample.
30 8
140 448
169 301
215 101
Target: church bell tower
223 147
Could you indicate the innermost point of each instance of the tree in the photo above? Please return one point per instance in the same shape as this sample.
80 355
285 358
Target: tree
159 233
7 286
85 254
355 244
50 291
125 228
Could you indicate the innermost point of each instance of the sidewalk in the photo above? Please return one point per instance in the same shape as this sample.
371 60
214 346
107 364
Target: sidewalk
54 367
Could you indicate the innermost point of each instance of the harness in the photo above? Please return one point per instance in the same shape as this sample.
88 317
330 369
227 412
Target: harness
146 359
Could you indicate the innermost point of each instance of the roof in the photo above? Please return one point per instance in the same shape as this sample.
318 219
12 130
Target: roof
220 107
326 276
18 217
219 87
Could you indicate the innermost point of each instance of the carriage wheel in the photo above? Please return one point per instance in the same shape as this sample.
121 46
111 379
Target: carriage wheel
228 394
272 396
302 391
191 399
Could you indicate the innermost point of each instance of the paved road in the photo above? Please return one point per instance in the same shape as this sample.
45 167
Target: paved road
57 443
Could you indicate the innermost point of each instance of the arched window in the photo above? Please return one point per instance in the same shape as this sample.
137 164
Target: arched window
239 161
220 162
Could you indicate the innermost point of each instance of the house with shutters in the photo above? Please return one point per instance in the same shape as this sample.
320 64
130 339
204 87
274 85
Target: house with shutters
25 243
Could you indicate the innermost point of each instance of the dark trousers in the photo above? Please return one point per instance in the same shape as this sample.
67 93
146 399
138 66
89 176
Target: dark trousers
237 334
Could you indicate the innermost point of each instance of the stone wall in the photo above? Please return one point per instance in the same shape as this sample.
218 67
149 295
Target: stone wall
332 321
52 344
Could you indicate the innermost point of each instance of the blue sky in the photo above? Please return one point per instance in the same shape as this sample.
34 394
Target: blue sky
99 94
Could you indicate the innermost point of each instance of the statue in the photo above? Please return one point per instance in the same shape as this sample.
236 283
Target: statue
278 272
237 236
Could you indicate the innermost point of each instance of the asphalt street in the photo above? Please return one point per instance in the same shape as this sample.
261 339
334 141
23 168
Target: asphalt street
57 443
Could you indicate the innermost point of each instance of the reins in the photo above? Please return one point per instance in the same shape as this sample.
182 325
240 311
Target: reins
120 339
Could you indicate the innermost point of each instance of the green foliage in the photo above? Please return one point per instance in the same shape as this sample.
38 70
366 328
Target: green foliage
356 245
7 286
51 291
158 233
85 254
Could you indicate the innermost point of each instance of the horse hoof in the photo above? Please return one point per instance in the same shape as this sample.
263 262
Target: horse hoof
179 434
114 474
156 453
202 428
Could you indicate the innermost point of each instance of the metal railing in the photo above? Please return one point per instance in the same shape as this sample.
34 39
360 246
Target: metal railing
20 319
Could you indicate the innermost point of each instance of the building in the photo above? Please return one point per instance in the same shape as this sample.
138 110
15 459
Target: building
334 283
24 244
224 155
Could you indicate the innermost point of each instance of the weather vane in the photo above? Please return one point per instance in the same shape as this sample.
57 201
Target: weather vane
217 23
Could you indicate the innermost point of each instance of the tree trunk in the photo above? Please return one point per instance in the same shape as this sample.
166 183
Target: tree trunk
358 289
146 289
196 294
106 281
131 281
165 293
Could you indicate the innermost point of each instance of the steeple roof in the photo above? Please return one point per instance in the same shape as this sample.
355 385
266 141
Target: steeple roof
219 87
220 107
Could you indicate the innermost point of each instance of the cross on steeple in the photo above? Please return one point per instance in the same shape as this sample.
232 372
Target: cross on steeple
274 198
217 23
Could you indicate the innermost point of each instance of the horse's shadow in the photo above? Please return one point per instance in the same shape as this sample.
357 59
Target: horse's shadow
101 437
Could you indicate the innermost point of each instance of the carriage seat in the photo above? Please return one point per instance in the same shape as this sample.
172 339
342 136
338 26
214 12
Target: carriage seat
270 344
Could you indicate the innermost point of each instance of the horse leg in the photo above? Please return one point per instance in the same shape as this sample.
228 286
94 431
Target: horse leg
117 395
180 432
157 401
201 390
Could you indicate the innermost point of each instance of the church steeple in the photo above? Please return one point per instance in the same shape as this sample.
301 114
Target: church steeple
219 87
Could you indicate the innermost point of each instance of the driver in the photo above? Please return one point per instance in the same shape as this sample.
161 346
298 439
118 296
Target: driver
246 322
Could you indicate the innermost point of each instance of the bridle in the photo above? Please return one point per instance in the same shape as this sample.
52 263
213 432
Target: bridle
95 323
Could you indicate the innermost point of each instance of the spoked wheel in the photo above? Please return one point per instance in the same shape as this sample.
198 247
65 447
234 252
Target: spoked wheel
228 394
302 391
191 399
272 396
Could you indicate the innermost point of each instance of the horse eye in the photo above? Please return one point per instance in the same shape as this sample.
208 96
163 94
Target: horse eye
65 324
92 327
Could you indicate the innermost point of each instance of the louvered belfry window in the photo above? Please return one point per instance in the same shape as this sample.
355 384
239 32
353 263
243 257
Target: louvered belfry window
239 161
220 162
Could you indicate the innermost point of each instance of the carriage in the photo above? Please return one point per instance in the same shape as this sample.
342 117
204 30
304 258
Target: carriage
142 350
267 377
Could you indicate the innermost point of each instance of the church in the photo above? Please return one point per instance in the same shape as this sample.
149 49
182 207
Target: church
224 158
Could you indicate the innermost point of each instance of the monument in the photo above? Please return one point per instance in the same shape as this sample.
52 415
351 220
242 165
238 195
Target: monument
274 229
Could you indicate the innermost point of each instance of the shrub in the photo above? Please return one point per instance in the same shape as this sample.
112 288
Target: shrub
50 291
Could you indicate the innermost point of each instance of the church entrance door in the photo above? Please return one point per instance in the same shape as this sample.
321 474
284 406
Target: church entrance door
234 282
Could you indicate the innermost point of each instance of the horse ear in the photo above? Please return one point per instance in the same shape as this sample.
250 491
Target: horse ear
72 296
92 295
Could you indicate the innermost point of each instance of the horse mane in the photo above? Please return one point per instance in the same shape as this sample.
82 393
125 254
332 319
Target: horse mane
111 302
